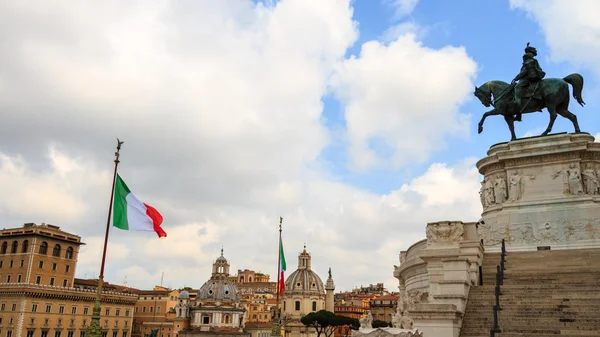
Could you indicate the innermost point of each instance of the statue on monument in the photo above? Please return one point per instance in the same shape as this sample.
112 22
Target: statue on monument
489 192
590 180
571 179
532 93
366 322
516 186
500 189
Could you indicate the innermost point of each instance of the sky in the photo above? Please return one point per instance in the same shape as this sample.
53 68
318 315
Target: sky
355 121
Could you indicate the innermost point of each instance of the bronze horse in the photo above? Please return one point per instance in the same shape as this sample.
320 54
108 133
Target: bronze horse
554 94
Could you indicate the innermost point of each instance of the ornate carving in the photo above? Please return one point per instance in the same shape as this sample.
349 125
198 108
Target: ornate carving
489 192
500 189
482 194
414 297
522 234
366 322
444 231
402 257
401 320
516 186
590 180
571 179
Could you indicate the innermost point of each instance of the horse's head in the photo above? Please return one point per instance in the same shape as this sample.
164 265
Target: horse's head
484 94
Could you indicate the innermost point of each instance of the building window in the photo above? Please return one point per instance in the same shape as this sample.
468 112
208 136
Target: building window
61 309
41 264
104 334
25 246
73 310
59 323
4 247
127 312
85 312
124 333
117 312
106 323
69 253
19 278
126 323
84 322
158 310
205 319
8 279
107 312
32 321
1 264
44 333
151 309
53 266
29 333
9 333
33 308
57 333
38 279
48 308
65 282
22 263
297 305
115 333
283 305
2 306
143 309
116 324
67 268
11 264
52 281
72 323
70 333
314 306
56 250
81 333
14 307
15 246
44 248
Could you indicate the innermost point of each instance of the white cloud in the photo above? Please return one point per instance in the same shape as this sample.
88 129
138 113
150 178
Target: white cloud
572 29
219 104
402 7
402 100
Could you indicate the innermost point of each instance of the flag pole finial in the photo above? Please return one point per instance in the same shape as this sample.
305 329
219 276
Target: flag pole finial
221 250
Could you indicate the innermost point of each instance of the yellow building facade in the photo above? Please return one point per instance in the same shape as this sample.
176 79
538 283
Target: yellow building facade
39 295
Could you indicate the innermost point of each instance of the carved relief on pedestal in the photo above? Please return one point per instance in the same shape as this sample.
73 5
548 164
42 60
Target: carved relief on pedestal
571 179
444 231
522 234
415 297
500 194
551 233
590 180
402 257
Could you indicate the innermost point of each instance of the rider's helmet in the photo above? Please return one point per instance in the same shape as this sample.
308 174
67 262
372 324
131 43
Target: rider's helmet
527 56
531 50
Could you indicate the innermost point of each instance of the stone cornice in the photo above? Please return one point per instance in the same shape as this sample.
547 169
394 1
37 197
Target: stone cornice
63 293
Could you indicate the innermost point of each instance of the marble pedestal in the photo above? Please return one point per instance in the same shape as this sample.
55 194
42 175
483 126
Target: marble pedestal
540 193
386 332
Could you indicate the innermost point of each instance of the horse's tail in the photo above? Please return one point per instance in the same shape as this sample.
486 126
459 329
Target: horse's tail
576 81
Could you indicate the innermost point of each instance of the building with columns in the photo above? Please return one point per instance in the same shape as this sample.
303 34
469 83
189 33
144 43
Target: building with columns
304 293
217 310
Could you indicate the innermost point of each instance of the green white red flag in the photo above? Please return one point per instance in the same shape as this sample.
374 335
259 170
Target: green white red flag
129 213
281 268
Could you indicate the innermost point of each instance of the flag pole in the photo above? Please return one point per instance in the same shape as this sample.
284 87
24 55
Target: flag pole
277 324
94 330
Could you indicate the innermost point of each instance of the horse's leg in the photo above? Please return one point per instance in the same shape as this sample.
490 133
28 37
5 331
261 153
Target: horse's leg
552 111
510 121
492 112
570 116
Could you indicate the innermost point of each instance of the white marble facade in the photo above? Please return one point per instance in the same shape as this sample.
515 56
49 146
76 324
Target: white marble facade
553 196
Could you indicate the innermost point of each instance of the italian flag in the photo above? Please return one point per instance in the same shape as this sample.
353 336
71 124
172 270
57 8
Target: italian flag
281 268
130 214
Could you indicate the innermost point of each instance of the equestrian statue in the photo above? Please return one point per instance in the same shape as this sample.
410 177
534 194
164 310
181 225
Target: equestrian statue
530 92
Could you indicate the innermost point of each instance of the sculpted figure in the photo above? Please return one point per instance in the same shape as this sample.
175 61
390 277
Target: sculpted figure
366 322
401 320
482 193
590 180
489 192
516 186
500 189
457 232
531 73
571 179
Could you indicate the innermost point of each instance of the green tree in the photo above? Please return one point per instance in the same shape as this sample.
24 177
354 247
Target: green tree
380 324
325 322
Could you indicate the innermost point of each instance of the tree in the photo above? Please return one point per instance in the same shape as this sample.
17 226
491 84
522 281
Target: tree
380 324
325 322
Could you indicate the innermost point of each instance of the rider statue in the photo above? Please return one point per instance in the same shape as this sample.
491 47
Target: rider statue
531 73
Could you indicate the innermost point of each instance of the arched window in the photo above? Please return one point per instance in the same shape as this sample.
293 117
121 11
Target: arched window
15 246
314 306
297 306
56 250
226 319
69 253
4 247
25 246
44 248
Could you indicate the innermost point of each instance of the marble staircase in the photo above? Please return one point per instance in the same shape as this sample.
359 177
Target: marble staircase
545 293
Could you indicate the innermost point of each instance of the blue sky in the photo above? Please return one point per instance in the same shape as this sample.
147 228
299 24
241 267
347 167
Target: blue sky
353 120
495 36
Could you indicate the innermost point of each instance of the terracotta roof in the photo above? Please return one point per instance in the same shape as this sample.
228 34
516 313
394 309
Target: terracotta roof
386 298
105 286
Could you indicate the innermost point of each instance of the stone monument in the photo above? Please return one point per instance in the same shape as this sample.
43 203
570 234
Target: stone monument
402 326
553 193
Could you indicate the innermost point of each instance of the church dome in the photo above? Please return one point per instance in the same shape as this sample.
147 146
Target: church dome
219 287
184 295
304 280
